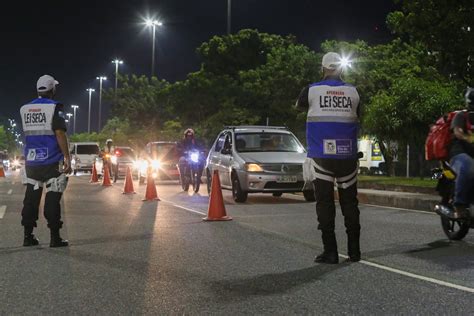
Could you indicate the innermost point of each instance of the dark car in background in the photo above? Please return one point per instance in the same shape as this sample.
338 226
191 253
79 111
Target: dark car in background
161 160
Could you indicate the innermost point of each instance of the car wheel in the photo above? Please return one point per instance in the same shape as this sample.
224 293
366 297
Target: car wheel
75 172
237 193
309 195
277 194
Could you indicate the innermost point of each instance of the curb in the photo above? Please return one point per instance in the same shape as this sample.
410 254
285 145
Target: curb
413 201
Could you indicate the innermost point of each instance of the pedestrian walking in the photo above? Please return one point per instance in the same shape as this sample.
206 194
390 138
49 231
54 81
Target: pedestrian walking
47 161
331 134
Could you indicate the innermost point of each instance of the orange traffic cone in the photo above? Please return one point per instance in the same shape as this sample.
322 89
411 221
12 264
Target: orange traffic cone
2 172
106 179
216 210
151 193
128 186
94 177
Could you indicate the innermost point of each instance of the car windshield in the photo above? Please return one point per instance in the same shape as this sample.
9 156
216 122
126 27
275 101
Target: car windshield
125 153
164 151
87 150
267 142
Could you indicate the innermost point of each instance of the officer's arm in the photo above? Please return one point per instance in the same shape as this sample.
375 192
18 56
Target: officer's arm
59 128
302 104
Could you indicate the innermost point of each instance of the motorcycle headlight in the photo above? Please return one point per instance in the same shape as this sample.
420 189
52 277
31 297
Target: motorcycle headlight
194 157
114 159
253 167
156 164
16 163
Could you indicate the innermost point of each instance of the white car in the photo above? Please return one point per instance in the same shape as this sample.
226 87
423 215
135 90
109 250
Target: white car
83 155
253 159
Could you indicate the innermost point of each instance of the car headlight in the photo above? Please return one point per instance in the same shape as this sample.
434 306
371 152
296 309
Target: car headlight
156 164
253 167
114 159
194 157
136 164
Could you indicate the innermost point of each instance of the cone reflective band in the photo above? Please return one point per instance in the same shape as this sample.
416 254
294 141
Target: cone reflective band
2 172
216 210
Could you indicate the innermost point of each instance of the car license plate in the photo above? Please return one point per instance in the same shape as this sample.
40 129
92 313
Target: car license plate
287 179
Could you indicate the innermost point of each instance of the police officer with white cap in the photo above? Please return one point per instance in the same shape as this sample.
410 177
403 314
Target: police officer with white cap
47 161
331 134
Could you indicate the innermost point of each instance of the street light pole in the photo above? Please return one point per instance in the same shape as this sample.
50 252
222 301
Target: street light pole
100 78
90 90
68 119
116 62
153 24
74 107
229 15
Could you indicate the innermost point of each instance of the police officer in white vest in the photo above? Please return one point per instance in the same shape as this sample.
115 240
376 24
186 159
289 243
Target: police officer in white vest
47 161
331 134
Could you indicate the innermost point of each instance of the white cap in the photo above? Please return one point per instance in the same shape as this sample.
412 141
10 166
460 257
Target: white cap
331 60
46 83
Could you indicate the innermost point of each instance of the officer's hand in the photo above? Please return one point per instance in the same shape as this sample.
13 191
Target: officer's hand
67 166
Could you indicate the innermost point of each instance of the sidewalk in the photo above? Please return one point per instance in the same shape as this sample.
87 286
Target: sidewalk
414 201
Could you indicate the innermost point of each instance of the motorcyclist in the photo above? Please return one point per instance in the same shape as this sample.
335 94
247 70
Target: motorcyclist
462 156
188 144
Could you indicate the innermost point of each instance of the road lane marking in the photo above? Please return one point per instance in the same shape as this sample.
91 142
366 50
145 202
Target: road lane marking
415 276
3 209
10 191
374 265
184 208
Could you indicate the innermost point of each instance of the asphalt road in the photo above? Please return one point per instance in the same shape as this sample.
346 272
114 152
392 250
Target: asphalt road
127 256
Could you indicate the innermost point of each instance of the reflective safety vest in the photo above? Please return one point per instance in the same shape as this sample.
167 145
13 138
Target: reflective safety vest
332 124
41 147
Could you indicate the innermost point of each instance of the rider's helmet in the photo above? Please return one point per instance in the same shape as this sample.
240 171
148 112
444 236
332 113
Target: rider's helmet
469 97
189 133
109 141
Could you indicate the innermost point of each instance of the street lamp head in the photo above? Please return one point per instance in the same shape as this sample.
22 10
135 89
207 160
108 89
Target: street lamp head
102 78
90 90
158 23
74 106
149 22
117 61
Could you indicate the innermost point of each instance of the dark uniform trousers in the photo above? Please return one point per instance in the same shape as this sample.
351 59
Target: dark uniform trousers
31 202
326 209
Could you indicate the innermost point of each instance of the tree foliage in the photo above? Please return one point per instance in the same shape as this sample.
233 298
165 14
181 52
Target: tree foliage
444 28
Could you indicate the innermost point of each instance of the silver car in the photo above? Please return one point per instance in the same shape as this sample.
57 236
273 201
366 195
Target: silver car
252 159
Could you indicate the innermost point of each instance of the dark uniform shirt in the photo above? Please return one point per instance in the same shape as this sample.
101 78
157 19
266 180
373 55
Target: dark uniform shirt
459 146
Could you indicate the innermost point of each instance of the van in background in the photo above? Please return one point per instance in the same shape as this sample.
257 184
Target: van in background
372 157
83 155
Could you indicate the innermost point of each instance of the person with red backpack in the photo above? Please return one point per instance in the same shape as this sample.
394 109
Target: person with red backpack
461 155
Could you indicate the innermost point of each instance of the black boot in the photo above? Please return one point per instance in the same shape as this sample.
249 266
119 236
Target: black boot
330 254
353 247
56 240
30 239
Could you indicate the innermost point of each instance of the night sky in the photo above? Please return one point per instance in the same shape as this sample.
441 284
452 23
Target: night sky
75 41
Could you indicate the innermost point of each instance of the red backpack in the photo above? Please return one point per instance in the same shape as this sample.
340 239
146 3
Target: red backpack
440 136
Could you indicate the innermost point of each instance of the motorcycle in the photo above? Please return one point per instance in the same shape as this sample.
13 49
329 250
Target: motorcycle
455 229
190 168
